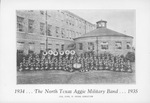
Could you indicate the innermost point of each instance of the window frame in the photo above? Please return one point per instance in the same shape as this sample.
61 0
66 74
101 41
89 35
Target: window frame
103 46
42 26
128 45
30 25
80 46
91 45
118 48
20 22
49 30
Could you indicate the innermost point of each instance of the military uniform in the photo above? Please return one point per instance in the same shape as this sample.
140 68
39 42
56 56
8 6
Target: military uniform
24 63
41 64
96 63
83 63
20 66
100 64
129 68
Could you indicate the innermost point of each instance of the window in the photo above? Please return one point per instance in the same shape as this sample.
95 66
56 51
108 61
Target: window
57 31
49 30
62 47
80 46
20 45
104 45
70 34
62 16
42 12
67 33
57 47
31 47
118 45
20 24
19 51
90 46
49 46
30 26
42 46
62 32
42 28
128 45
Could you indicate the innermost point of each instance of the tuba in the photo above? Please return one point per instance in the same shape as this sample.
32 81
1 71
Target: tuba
55 53
72 52
61 53
67 52
44 53
50 52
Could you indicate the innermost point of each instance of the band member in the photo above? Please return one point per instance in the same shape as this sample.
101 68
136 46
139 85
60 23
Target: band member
67 63
111 65
34 63
37 62
20 66
31 66
91 62
37 66
122 65
106 64
24 63
46 64
52 65
71 64
64 60
82 63
42 64
55 63
116 67
100 64
60 62
129 68
87 63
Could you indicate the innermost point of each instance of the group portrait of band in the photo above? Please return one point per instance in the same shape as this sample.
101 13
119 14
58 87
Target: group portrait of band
70 61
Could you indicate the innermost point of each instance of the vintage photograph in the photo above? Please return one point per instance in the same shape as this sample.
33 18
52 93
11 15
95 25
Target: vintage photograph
75 47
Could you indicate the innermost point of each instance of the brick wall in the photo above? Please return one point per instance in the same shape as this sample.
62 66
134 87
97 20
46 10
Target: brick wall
111 44
72 25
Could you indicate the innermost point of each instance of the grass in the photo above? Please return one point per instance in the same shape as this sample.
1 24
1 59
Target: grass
61 77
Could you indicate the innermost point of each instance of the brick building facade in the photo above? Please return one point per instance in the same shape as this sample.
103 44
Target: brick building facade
39 30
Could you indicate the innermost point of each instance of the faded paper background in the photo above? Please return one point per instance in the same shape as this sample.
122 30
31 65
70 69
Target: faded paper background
8 53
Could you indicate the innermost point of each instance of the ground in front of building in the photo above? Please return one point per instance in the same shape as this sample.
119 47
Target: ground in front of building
62 77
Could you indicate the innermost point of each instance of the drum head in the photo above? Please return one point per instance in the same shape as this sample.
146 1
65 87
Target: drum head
77 66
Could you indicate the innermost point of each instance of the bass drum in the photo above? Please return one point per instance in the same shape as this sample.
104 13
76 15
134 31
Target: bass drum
77 66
